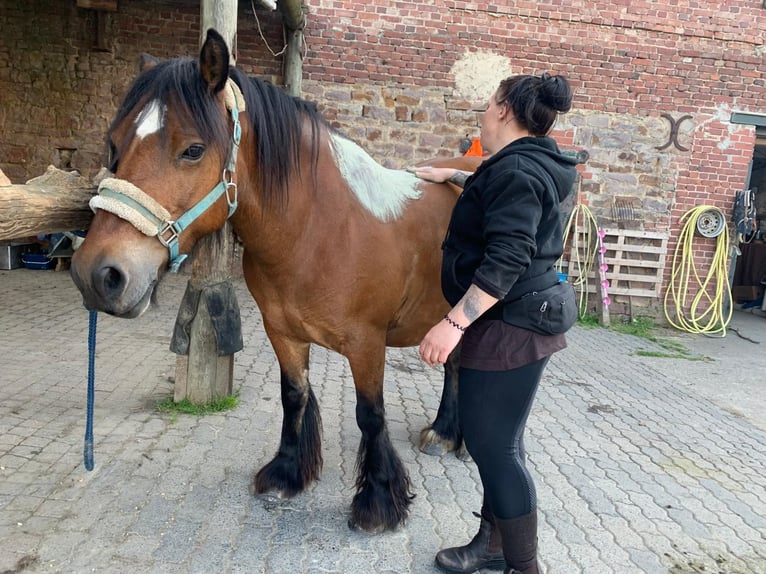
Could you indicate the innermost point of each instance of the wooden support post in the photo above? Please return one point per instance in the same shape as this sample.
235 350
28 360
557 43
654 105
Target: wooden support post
203 374
292 15
205 364
294 63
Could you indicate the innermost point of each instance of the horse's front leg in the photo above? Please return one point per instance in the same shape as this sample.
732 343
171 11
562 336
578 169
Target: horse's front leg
298 461
444 434
383 488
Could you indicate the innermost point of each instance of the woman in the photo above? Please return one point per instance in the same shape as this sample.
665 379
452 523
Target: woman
503 240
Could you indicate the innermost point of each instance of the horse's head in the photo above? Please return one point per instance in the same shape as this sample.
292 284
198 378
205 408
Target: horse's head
173 148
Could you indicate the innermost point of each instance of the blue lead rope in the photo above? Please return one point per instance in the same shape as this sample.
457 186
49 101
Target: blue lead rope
87 450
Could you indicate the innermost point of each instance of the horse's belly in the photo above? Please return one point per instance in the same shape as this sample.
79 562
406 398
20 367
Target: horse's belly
413 321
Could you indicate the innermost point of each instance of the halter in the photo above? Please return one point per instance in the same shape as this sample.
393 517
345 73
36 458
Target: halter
129 202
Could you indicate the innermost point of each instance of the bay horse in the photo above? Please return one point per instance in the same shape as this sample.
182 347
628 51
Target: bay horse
337 250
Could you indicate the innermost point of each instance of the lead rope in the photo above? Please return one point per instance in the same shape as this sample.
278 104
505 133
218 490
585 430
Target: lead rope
88 446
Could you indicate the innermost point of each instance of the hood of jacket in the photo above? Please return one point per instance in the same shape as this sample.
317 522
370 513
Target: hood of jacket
543 153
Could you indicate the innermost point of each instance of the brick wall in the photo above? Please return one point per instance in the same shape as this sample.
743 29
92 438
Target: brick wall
59 91
406 79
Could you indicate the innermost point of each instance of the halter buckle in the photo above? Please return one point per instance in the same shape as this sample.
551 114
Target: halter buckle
228 180
170 231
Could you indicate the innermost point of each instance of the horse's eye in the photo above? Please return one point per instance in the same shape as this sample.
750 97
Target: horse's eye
111 158
193 152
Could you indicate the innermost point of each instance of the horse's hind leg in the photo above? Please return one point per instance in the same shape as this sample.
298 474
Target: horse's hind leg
444 434
298 461
384 491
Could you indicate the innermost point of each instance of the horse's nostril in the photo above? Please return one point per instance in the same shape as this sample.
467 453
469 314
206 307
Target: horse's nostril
109 281
112 278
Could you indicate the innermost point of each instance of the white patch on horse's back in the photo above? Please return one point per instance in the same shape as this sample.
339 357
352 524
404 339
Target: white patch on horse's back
150 119
382 191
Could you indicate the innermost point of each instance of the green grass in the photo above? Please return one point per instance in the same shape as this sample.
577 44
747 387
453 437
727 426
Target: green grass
644 327
187 407
589 321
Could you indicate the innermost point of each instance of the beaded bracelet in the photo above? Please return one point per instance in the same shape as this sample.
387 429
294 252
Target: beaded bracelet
451 322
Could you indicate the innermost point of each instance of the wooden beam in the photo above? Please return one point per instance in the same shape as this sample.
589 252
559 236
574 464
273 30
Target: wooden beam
54 202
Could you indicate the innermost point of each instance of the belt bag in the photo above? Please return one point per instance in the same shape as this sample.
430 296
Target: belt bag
551 311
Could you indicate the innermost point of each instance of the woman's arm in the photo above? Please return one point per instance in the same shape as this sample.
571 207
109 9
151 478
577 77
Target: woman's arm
442 174
443 337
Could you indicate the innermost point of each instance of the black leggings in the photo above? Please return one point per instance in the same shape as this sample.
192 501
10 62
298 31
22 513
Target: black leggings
493 407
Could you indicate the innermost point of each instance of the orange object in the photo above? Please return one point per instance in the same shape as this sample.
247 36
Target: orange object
475 149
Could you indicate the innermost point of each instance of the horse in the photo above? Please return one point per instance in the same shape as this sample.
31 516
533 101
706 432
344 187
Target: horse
336 249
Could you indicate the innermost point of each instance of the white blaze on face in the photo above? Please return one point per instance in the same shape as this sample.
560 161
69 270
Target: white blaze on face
382 191
150 119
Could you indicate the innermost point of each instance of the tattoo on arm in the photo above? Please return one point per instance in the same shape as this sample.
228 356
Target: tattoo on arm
459 178
471 306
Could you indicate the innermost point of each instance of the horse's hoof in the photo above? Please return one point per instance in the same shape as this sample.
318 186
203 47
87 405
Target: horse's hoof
281 475
268 495
434 445
379 529
463 454
433 449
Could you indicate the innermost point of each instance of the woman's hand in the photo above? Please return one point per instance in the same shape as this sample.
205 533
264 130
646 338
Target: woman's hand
435 174
439 342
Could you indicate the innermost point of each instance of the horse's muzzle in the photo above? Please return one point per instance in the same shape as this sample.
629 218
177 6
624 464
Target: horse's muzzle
112 288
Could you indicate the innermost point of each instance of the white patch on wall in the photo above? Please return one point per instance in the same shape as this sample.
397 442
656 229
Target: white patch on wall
150 119
382 191
477 74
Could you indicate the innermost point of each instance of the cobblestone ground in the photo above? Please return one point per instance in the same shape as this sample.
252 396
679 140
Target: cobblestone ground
637 470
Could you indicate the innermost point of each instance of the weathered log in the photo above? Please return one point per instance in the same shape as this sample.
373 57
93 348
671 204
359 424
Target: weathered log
51 203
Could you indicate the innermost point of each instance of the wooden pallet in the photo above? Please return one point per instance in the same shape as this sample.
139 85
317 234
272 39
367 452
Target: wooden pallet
635 261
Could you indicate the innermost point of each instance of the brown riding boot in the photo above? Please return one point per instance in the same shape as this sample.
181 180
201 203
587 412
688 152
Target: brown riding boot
484 551
519 538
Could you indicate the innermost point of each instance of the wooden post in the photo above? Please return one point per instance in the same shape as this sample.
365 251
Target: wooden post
292 15
203 375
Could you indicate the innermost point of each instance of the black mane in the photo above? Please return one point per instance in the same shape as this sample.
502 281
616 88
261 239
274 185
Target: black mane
276 118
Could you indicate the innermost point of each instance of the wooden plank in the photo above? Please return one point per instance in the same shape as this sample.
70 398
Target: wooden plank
629 291
623 276
637 233
635 248
644 263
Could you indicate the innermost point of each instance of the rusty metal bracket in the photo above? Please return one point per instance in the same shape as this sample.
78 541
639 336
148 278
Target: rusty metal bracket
673 138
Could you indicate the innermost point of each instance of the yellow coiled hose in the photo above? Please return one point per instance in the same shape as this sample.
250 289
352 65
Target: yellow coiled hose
711 305
582 256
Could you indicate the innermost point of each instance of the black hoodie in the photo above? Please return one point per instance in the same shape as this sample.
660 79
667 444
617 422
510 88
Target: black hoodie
505 234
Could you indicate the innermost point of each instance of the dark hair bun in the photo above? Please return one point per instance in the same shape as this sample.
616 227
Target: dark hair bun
555 92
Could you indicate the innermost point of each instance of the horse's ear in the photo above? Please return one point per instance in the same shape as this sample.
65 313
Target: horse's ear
147 62
214 61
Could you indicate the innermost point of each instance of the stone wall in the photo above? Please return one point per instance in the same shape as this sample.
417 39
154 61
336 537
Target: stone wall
408 79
